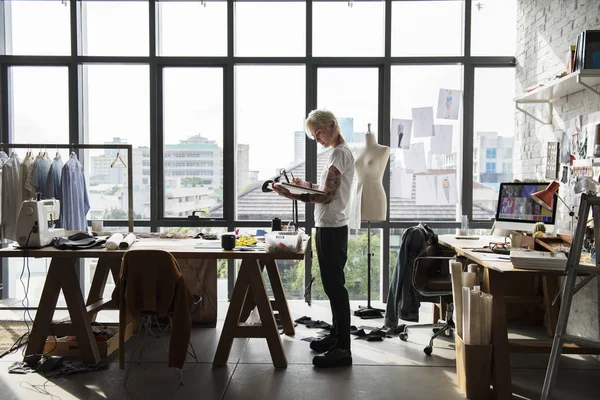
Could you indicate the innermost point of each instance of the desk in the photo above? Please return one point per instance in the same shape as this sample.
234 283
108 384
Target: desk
249 290
496 276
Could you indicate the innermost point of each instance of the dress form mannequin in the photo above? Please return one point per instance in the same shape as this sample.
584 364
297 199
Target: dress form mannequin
369 167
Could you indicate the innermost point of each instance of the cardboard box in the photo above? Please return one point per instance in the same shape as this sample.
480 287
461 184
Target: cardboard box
68 348
473 369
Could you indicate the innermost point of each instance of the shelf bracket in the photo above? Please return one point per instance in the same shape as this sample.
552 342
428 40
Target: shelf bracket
585 85
550 110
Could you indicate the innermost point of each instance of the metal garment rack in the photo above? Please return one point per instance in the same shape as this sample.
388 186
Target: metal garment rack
574 269
73 146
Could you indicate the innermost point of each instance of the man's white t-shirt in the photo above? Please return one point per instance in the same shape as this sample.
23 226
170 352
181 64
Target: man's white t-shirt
335 213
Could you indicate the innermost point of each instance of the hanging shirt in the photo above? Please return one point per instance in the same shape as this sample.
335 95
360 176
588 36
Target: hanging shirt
11 197
27 191
40 176
3 157
53 179
74 203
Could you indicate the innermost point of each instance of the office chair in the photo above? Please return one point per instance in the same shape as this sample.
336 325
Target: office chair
151 288
431 280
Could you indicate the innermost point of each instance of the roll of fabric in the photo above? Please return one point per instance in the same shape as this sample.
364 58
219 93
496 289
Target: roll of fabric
469 279
456 274
127 241
475 328
114 241
466 297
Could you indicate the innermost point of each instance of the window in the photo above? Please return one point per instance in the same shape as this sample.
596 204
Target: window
352 94
270 29
40 104
37 27
114 28
424 169
193 132
356 267
265 145
121 92
222 84
493 129
189 29
494 28
427 28
343 31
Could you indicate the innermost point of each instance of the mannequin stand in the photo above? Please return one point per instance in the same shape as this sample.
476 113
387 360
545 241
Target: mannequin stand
368 312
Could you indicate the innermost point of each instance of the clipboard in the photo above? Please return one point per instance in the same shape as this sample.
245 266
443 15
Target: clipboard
295 189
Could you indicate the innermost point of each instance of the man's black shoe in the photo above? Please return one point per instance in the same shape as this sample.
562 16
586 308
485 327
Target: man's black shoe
333 358
323 344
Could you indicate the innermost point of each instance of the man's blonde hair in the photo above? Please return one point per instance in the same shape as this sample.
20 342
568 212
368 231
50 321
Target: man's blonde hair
320 118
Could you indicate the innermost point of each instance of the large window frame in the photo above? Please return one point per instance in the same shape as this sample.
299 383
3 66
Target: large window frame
312 64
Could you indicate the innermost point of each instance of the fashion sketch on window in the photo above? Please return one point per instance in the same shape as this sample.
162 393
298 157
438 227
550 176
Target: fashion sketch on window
401 133
448 104
446 189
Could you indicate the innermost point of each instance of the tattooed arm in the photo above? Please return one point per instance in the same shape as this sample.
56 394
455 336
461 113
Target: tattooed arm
332 183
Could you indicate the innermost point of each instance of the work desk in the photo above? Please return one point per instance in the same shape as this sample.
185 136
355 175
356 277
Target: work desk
497 276
249 291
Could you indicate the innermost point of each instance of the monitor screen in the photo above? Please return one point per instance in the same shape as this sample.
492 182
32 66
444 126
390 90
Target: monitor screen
516 209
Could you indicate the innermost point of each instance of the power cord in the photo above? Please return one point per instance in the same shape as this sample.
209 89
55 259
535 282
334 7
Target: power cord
24 339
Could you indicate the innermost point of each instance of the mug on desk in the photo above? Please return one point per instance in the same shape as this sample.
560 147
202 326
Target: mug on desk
97 226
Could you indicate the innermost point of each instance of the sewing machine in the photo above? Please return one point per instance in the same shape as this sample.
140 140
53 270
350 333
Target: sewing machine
36 221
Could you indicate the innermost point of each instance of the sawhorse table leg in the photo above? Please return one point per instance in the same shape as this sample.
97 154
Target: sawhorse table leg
250 287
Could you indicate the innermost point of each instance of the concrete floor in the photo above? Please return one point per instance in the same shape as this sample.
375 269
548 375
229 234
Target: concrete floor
381 370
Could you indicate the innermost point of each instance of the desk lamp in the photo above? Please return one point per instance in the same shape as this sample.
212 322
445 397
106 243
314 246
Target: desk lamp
545 198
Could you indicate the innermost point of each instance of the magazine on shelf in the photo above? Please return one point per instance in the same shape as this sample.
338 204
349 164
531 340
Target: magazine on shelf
525 259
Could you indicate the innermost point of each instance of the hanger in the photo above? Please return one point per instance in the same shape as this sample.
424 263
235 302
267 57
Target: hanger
72 151
57 153
117 159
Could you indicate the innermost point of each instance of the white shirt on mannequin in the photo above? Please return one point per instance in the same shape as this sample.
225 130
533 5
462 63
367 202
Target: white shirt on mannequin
370 196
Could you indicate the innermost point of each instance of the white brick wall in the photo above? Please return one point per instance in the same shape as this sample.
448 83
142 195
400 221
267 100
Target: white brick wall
545 30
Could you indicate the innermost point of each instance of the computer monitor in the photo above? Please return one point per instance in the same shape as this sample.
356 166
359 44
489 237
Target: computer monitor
517 211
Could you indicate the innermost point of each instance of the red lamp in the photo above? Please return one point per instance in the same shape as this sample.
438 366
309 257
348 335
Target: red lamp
545 198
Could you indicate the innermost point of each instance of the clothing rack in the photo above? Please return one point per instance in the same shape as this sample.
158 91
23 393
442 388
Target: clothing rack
72 146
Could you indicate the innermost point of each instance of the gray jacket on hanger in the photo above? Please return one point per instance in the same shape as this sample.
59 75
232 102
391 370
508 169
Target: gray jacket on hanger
403 301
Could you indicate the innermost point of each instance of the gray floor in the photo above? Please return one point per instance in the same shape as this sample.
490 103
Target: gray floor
381 370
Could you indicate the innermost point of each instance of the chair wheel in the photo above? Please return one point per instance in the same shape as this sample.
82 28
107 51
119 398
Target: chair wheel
403 337
428 350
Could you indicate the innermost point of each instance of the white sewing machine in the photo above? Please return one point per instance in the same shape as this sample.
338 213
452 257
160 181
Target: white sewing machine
35 223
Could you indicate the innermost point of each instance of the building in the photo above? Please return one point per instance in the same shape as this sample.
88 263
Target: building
493 158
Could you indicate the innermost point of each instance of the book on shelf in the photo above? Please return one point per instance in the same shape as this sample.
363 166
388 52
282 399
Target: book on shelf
525 259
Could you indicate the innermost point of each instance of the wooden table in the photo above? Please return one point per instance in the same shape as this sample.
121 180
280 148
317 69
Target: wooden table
249 290
496 277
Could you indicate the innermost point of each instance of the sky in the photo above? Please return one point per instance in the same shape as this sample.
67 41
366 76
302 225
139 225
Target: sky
270 100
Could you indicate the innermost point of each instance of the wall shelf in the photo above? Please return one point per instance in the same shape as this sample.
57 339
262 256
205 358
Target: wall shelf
569 84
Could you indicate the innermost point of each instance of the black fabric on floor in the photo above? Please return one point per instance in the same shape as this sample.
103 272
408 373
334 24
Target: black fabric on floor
375 334
303 320
313 324
71 368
